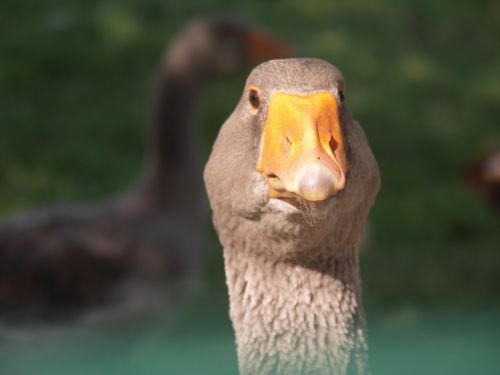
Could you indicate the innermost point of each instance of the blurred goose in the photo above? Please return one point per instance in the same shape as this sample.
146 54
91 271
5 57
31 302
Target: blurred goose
291 179
64 258
483 175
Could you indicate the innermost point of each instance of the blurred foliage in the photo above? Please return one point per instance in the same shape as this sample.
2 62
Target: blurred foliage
423 78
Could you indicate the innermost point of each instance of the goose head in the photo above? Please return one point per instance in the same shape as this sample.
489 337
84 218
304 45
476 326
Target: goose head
216 46
290 162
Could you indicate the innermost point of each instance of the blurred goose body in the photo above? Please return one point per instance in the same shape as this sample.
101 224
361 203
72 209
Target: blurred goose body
65 258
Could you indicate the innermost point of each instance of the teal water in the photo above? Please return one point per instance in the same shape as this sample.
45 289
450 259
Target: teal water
402 341
435 341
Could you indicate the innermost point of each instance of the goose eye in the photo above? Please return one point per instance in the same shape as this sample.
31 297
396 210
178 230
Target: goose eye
254 97
341 95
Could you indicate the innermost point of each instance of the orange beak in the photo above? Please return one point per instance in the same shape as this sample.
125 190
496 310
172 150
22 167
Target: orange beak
302 149
261 48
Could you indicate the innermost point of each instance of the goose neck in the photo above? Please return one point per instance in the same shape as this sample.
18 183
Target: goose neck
294 318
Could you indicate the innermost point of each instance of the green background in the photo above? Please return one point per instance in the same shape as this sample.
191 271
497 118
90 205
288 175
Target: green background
423 78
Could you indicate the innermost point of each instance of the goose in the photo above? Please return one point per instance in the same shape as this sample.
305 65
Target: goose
290 181
64 259
483 175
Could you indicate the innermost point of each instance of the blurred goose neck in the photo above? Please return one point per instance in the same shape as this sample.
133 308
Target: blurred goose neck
173 170
174 137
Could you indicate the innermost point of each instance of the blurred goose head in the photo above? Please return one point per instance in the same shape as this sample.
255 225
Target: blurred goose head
214 46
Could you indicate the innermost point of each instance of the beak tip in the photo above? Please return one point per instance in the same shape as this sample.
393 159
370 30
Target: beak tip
317 183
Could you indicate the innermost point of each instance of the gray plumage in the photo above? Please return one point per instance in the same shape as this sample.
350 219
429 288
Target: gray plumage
292 272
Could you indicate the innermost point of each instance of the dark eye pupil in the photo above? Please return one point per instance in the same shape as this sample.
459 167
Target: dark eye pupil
341 95
254 99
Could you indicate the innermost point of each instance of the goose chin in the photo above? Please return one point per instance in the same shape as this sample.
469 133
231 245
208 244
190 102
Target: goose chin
297 206
287 205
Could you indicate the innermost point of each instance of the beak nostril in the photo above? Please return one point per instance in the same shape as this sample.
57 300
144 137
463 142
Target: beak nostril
333 144
286 145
